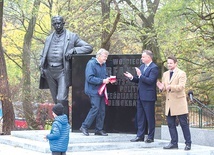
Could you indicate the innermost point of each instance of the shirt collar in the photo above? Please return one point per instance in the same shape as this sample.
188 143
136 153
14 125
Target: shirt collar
148 64
99 62
172 70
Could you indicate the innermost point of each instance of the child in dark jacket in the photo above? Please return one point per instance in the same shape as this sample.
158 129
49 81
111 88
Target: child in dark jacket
59 134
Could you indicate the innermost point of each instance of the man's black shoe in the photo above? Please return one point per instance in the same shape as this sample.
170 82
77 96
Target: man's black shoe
137 139
101 133
171 146
84 131
187 147
149 141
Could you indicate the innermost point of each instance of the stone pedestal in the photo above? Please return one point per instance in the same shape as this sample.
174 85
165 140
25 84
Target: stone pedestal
120 114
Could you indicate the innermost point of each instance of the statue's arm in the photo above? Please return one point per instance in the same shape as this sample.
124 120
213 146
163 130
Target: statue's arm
82 47
77 46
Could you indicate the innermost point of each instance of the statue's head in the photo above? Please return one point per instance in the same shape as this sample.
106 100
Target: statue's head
58 23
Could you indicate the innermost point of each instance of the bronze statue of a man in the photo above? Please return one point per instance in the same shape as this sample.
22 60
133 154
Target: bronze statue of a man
55 62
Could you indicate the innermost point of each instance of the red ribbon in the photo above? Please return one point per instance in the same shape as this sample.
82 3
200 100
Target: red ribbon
102 89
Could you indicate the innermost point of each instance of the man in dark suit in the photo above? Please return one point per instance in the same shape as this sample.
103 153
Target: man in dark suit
146 78
55 62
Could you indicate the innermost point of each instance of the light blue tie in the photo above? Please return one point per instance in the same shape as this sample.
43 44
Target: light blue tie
145 68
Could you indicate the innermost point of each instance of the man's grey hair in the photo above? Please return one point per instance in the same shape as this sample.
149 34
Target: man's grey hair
102 51
149 53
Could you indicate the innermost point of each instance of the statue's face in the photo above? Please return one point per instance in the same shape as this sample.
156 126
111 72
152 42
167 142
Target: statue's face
58 24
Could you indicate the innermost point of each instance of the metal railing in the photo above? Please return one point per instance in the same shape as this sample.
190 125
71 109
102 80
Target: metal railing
201 116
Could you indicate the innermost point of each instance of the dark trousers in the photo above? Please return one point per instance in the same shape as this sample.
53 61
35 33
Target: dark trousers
58 86
97 112
171 120
58 153
57 83
146 118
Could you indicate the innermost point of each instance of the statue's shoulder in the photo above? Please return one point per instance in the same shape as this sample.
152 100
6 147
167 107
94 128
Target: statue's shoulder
49 36
68 32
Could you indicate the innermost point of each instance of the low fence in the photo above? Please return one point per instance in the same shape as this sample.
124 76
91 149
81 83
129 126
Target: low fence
201 117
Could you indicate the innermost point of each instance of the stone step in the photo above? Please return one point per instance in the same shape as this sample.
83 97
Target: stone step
25 143
80 143
101 146
34 140
38 135
114 143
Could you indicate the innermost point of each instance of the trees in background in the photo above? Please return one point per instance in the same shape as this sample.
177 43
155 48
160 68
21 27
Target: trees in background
200 18
5 97
26 67
182 28
140 18
108 29
25 21
185 29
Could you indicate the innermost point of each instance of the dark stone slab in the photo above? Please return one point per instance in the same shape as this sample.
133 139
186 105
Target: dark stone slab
120 114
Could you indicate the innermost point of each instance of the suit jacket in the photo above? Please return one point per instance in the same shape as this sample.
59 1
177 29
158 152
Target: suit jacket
73 45
147 82
176 98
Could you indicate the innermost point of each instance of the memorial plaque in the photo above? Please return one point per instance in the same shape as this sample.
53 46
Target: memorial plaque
121 111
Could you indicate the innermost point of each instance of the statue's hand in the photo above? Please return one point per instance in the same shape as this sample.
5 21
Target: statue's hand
41 71
69 54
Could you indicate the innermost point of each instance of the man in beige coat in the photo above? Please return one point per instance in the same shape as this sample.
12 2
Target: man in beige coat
173 84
